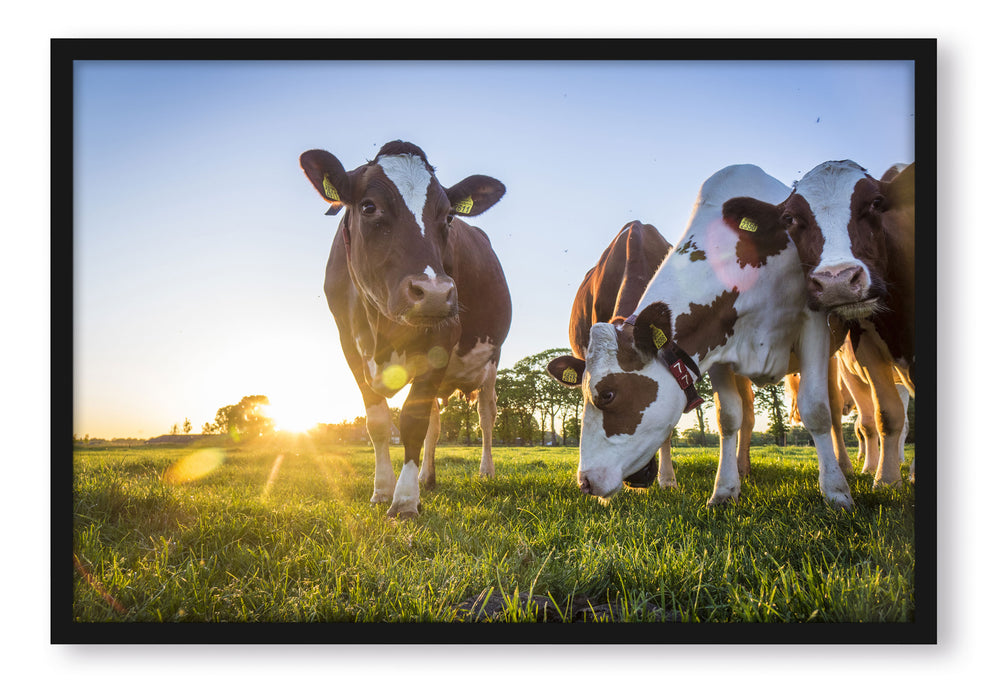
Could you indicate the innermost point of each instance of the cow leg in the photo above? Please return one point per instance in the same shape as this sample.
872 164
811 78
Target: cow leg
816 414
379 424
728 407
905 395
486 418
866 423
745 388
666 478
428 475
835 407
414 423
888 410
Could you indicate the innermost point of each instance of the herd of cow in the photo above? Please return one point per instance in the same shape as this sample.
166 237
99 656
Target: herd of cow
814 280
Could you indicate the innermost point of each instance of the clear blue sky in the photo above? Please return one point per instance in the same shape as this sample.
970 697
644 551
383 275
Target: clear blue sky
200 246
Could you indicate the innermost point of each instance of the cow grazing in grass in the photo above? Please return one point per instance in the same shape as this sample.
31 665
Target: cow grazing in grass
728 300
855 238
609 293
418 296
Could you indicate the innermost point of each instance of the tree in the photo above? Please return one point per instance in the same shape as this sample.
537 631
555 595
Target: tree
769 400
187 427
707 394
245 419
175 429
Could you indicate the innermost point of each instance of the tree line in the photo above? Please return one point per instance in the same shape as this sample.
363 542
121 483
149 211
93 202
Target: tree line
533 409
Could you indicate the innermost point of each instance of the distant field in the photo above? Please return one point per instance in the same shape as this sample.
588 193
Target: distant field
288 535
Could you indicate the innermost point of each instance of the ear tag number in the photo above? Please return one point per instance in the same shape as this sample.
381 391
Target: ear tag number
747 224
464 206
329 189
659 339
569 376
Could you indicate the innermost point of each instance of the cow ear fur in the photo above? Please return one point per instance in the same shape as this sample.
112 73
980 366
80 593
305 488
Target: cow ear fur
751 215
900 190
652 328
474 194
567 370
328 177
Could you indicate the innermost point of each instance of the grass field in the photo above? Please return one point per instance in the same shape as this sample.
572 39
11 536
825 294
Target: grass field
287 534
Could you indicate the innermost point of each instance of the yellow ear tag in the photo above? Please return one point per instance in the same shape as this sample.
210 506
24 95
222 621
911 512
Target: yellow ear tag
659 339
329 189
747 224
569 376
464 206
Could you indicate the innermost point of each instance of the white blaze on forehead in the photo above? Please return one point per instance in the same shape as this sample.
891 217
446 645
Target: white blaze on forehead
411 177
828 190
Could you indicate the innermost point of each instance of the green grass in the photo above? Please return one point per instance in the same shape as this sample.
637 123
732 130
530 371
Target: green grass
240 544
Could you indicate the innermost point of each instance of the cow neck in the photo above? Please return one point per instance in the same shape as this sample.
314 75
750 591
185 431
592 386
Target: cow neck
678 362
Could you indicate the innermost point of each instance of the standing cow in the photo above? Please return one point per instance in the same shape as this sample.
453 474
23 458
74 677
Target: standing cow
855 236
418 297
609 293
728 300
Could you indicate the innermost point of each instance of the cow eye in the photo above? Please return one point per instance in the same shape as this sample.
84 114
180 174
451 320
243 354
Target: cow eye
450 218
368 207
605 398
787 220
878 203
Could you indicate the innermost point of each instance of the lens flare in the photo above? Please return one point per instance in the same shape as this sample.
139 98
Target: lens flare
194 467
395 377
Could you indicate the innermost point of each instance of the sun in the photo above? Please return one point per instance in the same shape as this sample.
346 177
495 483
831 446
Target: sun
294 416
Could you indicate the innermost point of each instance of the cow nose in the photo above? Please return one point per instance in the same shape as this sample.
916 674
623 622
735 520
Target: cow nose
584 483
838 285
433 298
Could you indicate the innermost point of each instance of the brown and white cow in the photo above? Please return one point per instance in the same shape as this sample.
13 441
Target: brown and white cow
855 238
728 300
609 293
418 296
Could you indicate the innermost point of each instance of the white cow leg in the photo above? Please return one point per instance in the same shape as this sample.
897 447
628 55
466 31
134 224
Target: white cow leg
405 499
728 406
379 424
905 395
816 414
486 418
427 473
666 478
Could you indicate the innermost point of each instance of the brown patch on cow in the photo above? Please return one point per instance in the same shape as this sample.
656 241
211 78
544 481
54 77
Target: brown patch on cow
705 328
761 233
628 356
804 231
690 247
654 317
631 394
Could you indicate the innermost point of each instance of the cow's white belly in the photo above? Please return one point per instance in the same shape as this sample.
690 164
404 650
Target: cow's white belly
472 368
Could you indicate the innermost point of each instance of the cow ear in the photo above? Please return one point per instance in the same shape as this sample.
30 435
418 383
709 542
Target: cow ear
328 177
652 328
751 215
567 370
474 195
900 190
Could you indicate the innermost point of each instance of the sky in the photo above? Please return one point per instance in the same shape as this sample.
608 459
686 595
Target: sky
200 247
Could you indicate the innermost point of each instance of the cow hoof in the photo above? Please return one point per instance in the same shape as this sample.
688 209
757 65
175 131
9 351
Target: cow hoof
667 483
877 485
720 498
842 501
486 475
428 484
403 511
382 497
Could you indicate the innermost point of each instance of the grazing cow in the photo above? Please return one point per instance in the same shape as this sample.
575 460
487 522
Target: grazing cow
418 296
728 300
609 293
855 237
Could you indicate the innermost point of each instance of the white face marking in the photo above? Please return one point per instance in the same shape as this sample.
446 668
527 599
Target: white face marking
410 176
430 273
828 190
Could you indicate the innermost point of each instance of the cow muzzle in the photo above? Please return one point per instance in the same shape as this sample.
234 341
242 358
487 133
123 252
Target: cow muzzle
427 300
838 285
645 477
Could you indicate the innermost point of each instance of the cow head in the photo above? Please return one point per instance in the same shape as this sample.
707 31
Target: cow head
834 215
397 226
631 402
